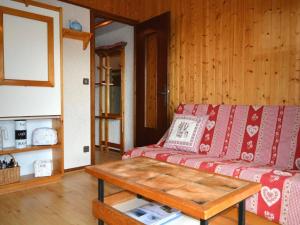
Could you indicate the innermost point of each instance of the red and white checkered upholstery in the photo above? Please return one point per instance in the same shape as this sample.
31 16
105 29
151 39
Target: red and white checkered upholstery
256 143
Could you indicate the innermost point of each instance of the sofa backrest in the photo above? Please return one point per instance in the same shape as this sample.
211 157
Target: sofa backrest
267 135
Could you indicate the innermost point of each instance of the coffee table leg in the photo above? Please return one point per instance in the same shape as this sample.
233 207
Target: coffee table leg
203 222
242 208
100 196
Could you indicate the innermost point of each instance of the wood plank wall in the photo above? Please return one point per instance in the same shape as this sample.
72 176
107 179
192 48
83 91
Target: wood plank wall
232 51
226 51
130 9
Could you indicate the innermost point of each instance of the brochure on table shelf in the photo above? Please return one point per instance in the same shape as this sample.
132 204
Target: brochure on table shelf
154 214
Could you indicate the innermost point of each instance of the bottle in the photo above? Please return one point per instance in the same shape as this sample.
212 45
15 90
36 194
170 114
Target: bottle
21 133
1 139
3 136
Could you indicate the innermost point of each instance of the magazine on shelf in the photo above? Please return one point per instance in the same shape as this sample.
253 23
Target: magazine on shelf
154 214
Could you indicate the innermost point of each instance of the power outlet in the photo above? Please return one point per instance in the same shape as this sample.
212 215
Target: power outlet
86 148
86 81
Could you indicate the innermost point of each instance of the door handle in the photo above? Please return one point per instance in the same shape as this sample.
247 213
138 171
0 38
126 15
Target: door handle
163 92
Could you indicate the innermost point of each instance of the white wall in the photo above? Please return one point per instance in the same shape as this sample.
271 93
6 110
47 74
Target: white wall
76 63
126 33
31 101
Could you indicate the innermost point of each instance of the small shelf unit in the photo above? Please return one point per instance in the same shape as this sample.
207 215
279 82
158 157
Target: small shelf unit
29 181
111 76
85 37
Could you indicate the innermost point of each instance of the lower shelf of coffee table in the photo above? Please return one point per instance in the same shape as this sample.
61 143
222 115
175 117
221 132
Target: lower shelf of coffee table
134 203
124 201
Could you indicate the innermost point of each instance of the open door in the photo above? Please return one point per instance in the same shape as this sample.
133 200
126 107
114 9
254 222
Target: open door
152 42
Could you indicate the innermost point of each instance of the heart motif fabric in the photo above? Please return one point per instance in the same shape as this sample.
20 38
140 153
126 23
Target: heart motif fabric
247 156
270 196
210 124
204 148
252 130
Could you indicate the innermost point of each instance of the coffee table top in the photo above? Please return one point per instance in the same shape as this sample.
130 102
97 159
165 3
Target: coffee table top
194 192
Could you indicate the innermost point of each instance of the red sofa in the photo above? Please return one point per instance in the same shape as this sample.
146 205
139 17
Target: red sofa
256 143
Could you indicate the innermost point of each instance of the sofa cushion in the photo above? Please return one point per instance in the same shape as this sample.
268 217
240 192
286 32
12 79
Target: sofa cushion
163 154
185 132
262 134
277 200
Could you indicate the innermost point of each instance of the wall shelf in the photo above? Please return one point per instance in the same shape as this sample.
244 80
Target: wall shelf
85 37
13 150
30 117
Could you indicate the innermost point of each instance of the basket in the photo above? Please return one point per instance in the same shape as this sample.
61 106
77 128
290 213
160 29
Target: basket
9 175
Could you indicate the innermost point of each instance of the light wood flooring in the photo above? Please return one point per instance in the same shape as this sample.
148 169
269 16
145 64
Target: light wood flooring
67 202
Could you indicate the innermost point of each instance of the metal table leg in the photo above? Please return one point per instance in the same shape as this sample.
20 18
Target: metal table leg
100 196
242 208
203 222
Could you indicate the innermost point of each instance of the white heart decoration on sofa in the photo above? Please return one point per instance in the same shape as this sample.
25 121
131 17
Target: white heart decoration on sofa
252 130
297 162
204 148
270 196
256 107
210 124
247 156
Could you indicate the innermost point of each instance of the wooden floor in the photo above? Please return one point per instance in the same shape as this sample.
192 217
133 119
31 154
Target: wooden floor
67 202
106 156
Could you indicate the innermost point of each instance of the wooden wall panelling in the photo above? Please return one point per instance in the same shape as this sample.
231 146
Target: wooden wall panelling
294 65
232 51
130 9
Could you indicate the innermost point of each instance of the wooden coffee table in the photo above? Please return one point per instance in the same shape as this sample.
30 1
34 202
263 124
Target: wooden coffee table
195 193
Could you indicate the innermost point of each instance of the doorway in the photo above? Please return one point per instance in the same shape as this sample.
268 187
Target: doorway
112 86
143 98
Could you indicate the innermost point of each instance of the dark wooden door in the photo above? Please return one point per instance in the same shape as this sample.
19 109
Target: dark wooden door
152 42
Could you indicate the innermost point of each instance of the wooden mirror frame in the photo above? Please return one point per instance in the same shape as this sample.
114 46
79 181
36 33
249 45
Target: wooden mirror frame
50 46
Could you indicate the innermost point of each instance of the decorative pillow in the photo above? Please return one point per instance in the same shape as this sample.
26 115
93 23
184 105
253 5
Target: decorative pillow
186 132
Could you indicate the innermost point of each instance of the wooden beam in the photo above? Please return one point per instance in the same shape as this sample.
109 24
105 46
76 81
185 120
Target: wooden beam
102 23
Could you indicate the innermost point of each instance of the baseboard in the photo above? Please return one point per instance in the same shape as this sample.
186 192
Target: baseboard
75 169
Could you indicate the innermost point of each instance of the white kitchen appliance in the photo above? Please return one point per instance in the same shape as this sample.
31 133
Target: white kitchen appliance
44 136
